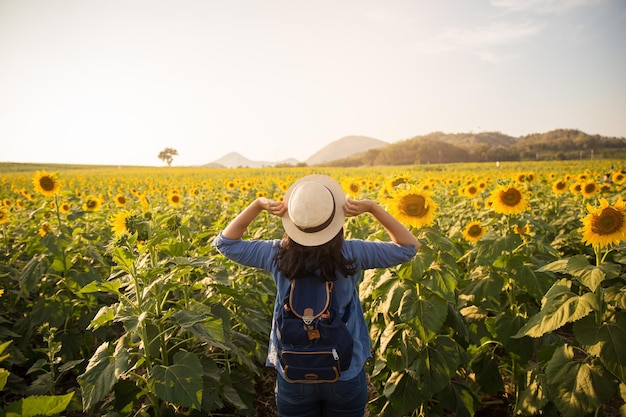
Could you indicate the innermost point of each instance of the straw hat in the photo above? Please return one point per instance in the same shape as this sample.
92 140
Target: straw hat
314 210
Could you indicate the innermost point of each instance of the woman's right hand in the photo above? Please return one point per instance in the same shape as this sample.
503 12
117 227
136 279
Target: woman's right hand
355 207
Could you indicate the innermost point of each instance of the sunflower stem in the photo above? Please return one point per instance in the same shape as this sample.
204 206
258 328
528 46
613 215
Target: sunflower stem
6 238
599 257
57 210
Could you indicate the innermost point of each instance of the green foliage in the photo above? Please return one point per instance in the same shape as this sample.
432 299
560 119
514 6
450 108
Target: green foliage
155 322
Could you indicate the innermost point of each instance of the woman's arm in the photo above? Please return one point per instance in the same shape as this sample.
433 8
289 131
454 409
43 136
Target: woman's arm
237 227
398 233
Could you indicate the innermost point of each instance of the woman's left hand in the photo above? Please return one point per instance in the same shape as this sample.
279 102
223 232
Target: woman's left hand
277 208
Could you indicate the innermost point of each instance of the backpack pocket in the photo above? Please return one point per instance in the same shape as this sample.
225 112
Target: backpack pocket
311 366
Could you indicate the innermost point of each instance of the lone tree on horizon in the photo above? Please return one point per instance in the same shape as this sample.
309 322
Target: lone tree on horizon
167 155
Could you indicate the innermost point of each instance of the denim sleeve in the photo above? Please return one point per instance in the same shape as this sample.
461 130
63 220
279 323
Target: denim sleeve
254 253
370 254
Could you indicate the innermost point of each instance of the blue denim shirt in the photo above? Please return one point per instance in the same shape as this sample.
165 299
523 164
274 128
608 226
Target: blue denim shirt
368 255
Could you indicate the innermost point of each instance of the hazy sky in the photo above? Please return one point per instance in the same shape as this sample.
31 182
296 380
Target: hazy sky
117 81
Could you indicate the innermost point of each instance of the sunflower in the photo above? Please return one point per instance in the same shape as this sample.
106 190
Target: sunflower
45 229
27 195
65 208
471 191
508 200
4 216
118 223
92 203
390 184
522 230
230 185
143 201
46 184
120 200
413 207
174 199
352 186
618 177
605 225
588 188
474 231
559 187
576 188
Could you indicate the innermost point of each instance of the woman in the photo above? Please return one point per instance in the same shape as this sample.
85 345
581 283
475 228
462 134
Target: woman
313 212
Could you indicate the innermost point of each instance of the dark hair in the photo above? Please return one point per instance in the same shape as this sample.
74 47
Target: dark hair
296 260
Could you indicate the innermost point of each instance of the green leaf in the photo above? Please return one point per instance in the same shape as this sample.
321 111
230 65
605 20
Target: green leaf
403 393
577 388
485 366
103 370
588 275
420 263
526 278
205 328
534 396
488 251
616 296
3 347
108 287
504 326
460 399
392 297
437 363
105 315
32 273
181 382
387 336
49 405
556 266
232 396
4 376
485 286
559 306
606 342
426 315
124 258
441 280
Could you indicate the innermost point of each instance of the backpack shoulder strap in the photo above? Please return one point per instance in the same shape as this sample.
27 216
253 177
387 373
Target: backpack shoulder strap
309 297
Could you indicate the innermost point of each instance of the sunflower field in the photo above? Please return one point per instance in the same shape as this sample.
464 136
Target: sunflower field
114 303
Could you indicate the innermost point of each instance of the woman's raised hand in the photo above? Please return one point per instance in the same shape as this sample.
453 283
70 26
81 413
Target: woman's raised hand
277 208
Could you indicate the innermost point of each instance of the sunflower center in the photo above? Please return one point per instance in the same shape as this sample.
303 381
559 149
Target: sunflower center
608 221
511 197
475 230
91 204
561 185
46 183
414 205
590 188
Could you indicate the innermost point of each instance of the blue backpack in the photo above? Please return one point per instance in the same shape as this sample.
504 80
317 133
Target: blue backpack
314 344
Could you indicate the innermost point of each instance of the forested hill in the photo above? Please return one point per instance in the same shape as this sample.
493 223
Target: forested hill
441 148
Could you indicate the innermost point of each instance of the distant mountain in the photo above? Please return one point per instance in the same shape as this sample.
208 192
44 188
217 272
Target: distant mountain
438 147
343 148
236 160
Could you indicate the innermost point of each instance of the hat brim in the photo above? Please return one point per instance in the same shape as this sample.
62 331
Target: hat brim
325 235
